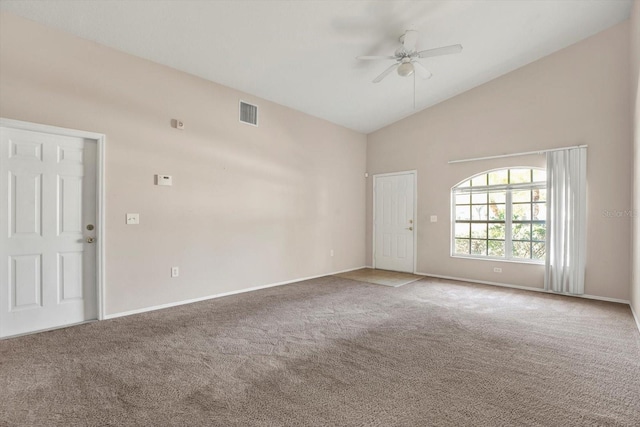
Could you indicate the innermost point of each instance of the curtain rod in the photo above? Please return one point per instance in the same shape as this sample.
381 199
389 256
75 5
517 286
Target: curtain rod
517 154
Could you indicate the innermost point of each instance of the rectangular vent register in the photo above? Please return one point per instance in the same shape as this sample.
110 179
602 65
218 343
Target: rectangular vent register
248 113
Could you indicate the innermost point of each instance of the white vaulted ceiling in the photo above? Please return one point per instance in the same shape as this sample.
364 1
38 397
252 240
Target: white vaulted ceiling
302 53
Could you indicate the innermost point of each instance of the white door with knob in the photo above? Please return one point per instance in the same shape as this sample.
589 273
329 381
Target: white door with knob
47 231
394 221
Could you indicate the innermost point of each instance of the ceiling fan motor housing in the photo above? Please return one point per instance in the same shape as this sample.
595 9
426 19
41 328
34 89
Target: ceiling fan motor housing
401 52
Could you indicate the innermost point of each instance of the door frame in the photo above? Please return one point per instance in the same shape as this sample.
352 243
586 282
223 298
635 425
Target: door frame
100 140
413 172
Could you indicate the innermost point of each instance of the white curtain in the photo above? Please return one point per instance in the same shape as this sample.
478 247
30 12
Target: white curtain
566 220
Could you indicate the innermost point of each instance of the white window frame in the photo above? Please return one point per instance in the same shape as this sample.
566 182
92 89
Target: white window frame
507 188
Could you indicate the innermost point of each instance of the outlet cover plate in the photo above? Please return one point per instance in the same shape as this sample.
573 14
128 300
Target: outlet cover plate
133 219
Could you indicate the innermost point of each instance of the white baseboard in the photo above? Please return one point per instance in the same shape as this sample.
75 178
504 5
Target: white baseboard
635 316
271 285
525 288
55 328
224 294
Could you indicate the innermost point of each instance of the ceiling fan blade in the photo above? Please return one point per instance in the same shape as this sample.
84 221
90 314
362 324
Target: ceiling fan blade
385 73
409 40
421 71
373 58
445 50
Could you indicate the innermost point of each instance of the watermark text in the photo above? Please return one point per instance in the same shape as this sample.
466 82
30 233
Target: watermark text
614 213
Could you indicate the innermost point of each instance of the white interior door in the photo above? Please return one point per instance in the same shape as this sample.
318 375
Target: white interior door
394 224
47 231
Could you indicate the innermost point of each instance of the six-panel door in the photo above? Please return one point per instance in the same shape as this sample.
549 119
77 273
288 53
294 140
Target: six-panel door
48 194
394 222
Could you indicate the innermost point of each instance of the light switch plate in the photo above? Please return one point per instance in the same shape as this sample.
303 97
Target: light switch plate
133 219
166 180
434 218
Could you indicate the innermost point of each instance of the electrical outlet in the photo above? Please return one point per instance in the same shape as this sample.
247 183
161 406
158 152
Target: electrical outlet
331 252
133 219
497 270
175 271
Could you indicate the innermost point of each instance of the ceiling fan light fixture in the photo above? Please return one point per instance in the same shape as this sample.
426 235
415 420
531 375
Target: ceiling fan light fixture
405 69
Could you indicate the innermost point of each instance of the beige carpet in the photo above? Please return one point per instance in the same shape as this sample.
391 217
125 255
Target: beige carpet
380 277
336 352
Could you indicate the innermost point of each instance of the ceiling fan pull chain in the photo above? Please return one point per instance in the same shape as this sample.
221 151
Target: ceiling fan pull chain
414 91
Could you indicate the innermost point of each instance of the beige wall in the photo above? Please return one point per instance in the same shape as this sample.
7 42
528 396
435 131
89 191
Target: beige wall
249 206
253 206
635 109
579 95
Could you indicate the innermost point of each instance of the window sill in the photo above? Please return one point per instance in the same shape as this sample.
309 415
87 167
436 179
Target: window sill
512 261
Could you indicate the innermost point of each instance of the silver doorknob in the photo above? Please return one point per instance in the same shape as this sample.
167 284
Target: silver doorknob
90 239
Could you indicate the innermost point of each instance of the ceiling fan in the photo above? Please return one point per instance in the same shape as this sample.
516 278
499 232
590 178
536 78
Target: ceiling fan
406 57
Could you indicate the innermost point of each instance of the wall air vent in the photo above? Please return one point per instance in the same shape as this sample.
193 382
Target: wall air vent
248 113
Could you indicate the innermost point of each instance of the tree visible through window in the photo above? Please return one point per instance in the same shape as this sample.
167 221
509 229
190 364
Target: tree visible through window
501 214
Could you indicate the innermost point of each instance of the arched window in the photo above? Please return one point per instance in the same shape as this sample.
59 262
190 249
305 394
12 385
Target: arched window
501 214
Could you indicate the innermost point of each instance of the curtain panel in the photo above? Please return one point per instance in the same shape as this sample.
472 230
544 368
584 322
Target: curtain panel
566 220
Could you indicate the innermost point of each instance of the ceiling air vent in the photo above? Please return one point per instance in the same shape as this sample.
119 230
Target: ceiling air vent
248 113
